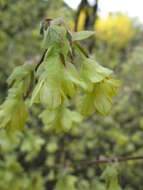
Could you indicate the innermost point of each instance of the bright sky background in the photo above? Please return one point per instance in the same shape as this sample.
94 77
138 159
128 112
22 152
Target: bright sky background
133 8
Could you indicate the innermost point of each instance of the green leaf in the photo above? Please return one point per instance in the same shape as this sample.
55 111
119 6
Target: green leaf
99 99
13 112
47 93
48 89
72 80
13 115
50 96
60 119
20 73
56 36
103 95
76 36
113 185
85 104
36 93
48 116
92 71
66 183
70 118
99 186
102 101
110 175
109 172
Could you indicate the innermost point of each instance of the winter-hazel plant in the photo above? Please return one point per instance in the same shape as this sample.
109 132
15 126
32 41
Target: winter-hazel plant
68 84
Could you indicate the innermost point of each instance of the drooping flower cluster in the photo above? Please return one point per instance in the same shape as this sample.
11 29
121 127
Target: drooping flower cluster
65 80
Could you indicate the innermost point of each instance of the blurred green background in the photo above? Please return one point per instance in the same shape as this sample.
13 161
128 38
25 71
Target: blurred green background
37 160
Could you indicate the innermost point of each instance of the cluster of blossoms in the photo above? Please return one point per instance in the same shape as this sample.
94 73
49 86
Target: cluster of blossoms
67 83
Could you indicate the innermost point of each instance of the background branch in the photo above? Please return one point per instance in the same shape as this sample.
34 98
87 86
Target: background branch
103 159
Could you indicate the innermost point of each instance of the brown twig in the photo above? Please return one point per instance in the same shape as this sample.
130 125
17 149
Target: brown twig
103 159
31 84
41 60
81 49
62 59
69 35
82 164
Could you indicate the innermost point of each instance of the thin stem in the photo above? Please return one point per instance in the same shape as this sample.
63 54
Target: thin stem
103 159
41 60
81 49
